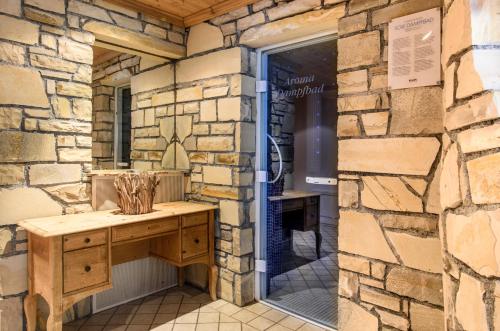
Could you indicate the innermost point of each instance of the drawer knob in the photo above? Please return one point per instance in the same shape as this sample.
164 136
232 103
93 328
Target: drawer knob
87 268
197 241
87 240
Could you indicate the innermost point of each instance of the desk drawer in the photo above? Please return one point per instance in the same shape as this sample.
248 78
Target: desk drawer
194 219
194 241
144 229
85 239
293 204
85 267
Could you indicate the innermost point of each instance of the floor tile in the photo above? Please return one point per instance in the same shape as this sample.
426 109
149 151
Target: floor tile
261 323
148 309
162 327
244 316
230 327
229 309
120 319
258 308
98 319
143 319
115 328
291 322
274 315
208 327
188 307
186 318
169 308
164 318
184 327
208 317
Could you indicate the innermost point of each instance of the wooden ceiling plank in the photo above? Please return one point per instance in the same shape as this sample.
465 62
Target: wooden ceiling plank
150 10
216 10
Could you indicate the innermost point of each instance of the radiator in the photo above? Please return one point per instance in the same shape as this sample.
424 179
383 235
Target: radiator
136 279
133 280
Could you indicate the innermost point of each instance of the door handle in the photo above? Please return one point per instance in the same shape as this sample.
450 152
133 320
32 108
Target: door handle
280 159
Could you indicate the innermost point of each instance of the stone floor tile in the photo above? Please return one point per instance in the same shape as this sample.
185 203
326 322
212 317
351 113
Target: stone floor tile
164 318
261 323
142 319
274 315
98 319
115 328
310 327
127 309
172 299
70 328
230 327
208 327
91 328
162 327
184 327
169 308
153 300
189 307
291 322
258 308
278 327
208 317
186 318
120 319
229 309
138 327
245 316
227 319
148 309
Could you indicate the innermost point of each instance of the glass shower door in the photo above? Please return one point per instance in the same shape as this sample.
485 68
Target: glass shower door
299 201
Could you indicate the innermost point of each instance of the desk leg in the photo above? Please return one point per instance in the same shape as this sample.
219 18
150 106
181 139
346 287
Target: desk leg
180 276
54 322
30 306
319 239
212 281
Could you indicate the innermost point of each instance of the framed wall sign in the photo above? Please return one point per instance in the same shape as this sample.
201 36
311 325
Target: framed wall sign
415 50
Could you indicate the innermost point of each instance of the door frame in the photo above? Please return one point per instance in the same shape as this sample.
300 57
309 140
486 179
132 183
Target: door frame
260 243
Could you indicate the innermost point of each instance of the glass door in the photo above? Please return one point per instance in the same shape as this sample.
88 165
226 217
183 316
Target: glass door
297 149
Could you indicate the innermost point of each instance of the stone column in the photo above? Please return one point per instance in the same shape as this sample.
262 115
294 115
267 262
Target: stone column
389 147
470 177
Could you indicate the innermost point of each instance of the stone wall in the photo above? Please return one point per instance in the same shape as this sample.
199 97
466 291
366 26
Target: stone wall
105 77
389 152
45 120
470 177
389 149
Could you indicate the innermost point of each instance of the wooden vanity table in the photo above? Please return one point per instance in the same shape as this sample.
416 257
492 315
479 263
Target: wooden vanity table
70 256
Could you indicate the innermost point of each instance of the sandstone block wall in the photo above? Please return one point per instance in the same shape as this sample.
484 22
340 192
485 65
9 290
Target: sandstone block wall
470 177
389 150
45 121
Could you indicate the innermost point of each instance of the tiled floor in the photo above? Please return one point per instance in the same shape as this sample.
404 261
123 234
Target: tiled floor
187 309
308 285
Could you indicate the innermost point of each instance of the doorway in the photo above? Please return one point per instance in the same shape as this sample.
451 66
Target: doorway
297 165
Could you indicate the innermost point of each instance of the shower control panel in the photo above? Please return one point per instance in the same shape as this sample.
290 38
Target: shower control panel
321 180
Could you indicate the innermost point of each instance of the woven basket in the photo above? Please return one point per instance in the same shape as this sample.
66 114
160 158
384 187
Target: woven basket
136 192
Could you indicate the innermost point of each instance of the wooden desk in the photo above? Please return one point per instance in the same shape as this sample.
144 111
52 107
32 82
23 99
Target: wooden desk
300 212
70 256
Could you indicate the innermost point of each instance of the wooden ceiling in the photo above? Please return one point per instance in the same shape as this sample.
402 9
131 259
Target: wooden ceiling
184 12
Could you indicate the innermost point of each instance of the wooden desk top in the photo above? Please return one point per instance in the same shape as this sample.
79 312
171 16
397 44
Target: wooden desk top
66 224
289 195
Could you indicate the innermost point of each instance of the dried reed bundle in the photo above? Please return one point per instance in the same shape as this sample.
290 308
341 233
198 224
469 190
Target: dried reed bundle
136 192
